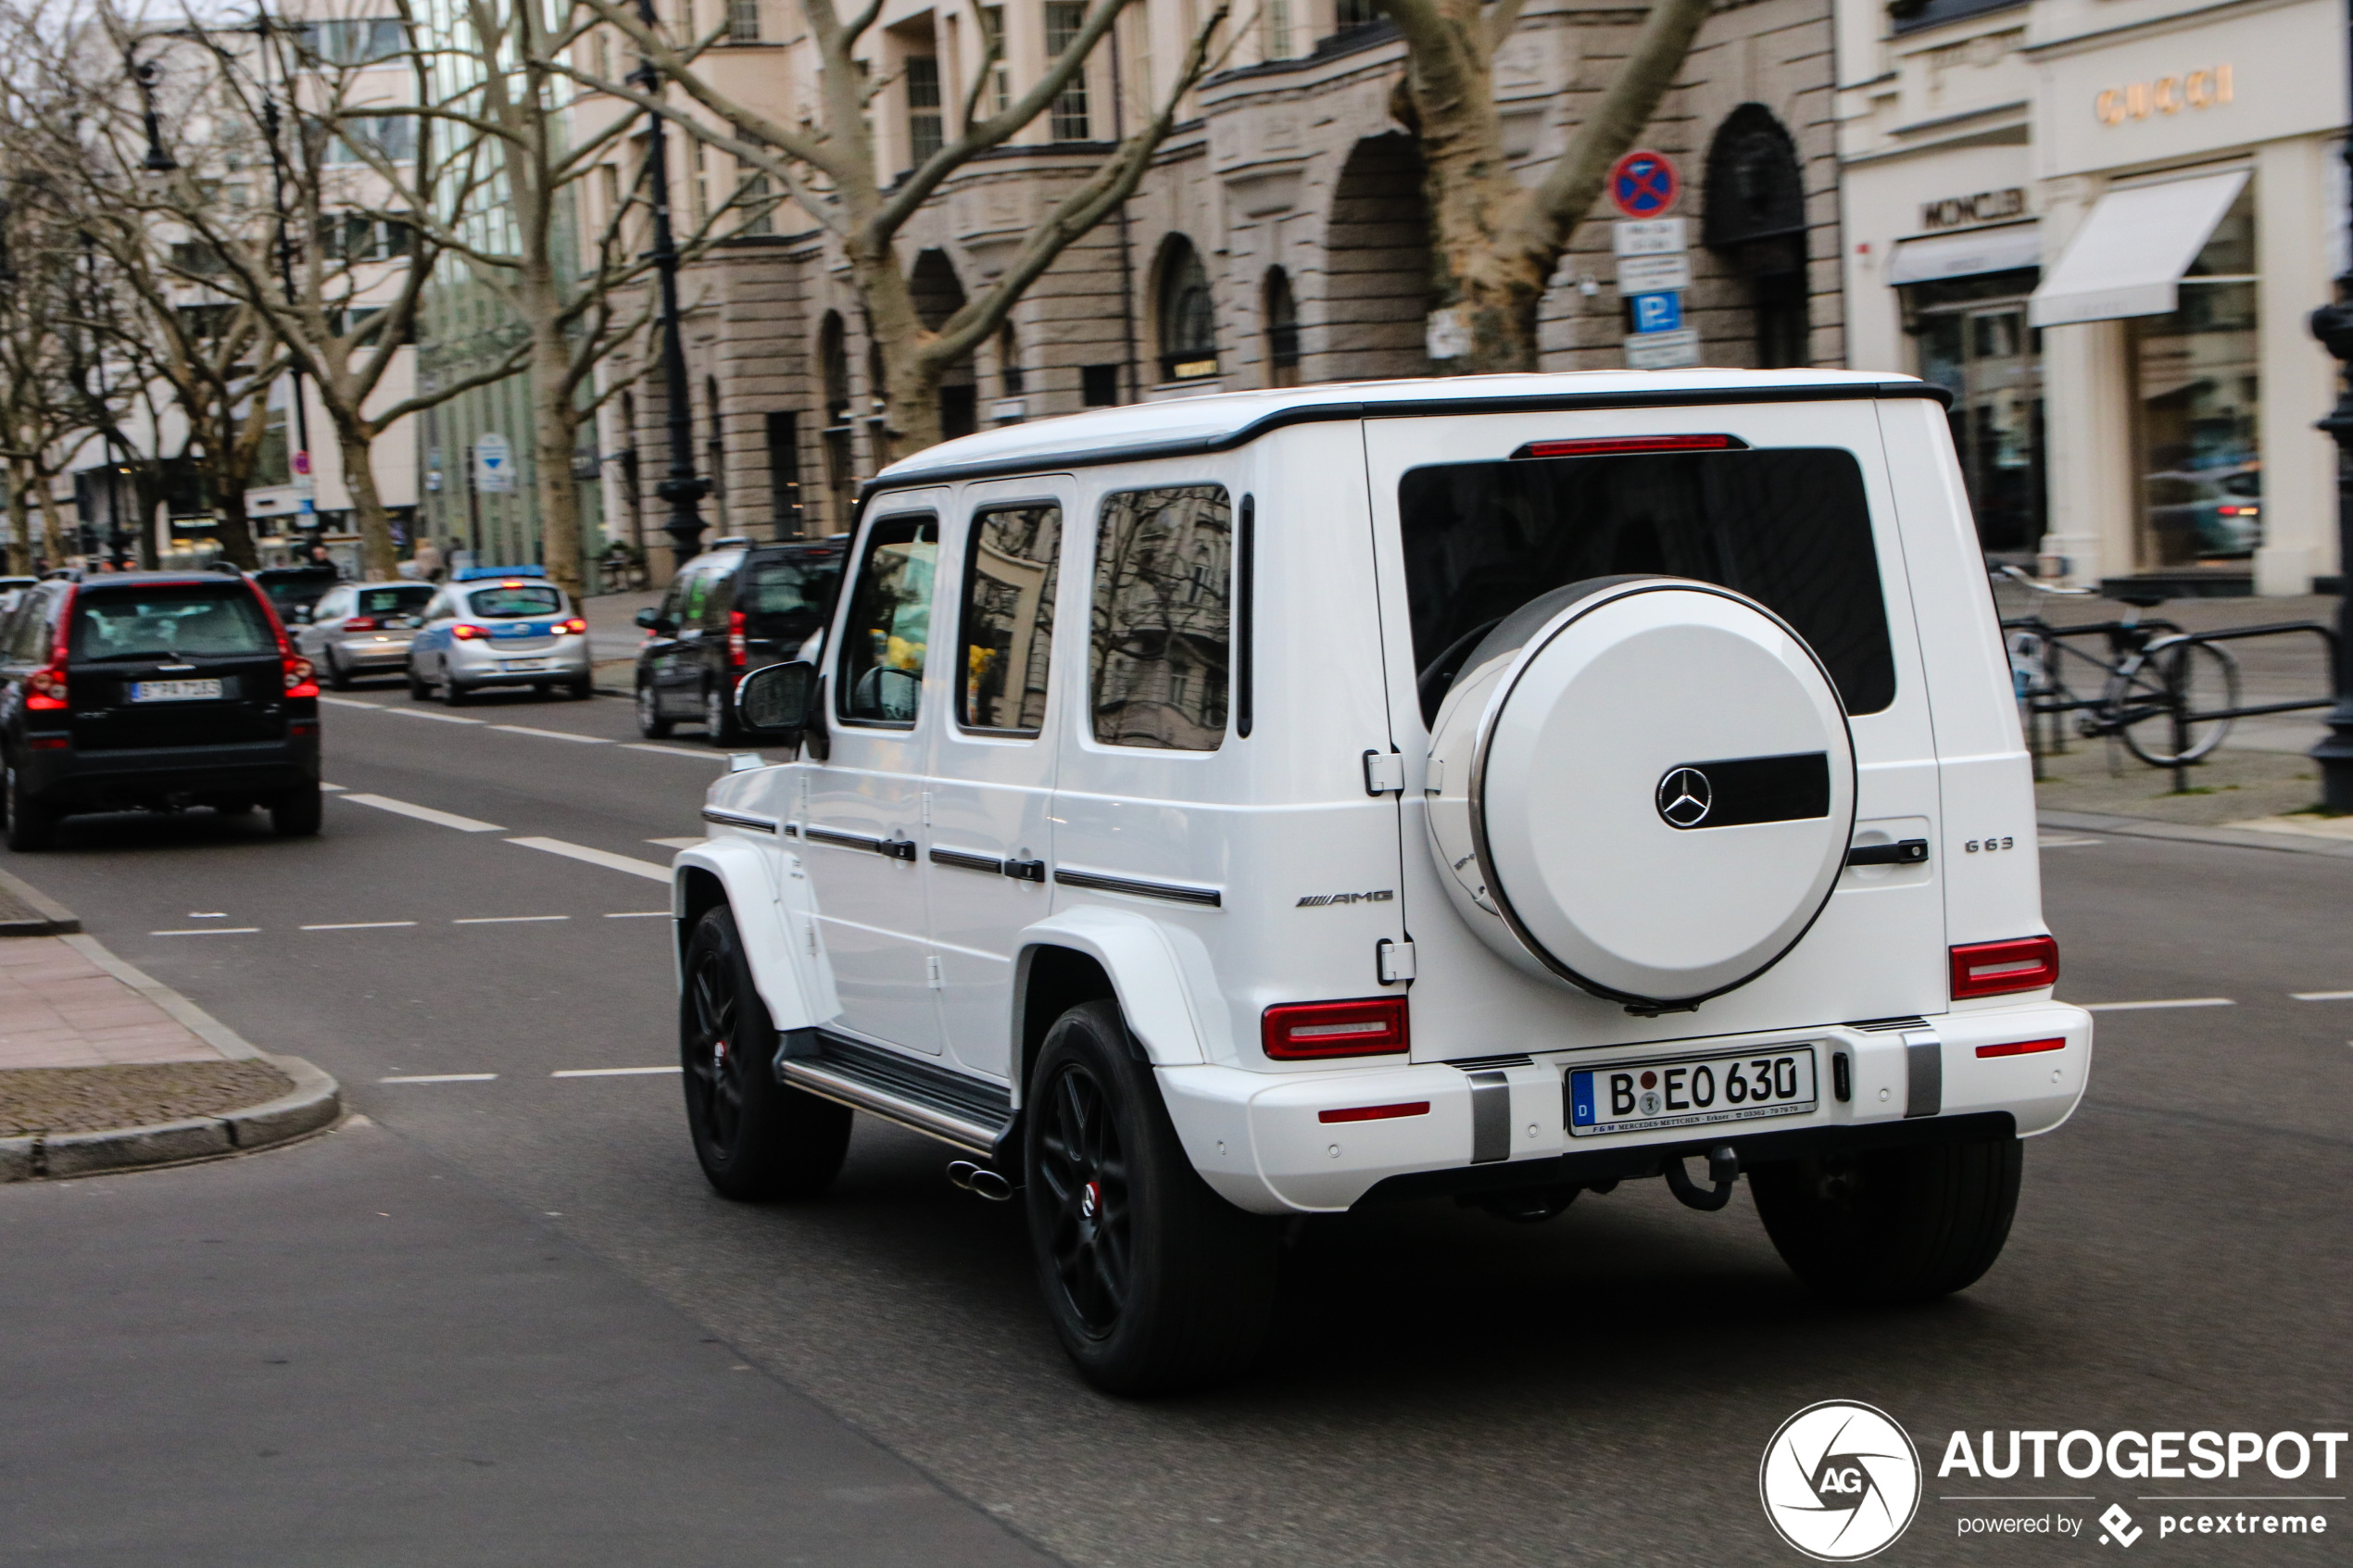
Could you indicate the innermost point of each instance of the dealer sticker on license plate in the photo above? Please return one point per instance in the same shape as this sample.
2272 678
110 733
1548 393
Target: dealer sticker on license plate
1689 1093
174 691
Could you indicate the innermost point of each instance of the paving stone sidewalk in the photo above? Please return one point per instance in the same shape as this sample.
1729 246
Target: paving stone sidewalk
103 1067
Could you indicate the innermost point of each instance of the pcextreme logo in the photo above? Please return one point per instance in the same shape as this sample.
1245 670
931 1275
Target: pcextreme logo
1840 1481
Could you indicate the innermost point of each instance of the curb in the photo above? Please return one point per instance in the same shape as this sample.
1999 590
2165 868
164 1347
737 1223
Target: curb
314 1102
54 919
2183 832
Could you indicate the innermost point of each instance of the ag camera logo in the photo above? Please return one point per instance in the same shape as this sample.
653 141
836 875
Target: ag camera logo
1840 1481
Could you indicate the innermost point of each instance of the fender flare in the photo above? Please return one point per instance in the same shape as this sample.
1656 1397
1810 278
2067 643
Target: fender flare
1147 975
748 875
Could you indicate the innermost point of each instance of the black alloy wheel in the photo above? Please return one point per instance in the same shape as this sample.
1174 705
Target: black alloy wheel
650 724
755 1139
1085 1171
1154 1282
719 716
1890 1225
338 678
31 827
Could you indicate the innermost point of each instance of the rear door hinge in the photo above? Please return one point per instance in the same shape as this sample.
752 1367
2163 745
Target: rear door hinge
931 972
1393 960
1384 772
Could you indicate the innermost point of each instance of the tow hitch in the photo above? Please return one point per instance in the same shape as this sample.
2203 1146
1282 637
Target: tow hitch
1723 1170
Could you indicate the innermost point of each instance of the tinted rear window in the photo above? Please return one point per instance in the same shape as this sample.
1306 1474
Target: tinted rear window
167 622
506 602
392 601
1788 527
780 585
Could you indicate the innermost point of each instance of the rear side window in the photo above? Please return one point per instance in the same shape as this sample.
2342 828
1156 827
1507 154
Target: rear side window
1787 526
780 585
167 622
509 601
1009 618
392 601
889 633
1163 621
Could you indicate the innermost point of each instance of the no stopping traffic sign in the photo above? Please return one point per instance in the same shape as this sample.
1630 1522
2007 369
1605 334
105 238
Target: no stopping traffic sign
1643 184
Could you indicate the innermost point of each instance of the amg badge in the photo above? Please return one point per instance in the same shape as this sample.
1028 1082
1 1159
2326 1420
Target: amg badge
1314 900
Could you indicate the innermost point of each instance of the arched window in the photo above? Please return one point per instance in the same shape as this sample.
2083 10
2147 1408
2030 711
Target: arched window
1756 220
1187 321
1282 330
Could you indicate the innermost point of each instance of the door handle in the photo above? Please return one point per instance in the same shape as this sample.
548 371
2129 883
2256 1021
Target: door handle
1026 871
1909 852
898 849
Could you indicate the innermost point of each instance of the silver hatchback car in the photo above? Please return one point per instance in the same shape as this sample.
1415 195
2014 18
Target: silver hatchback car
499 626
361 629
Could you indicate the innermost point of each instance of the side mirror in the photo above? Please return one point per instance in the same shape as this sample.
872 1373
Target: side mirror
777 701
302 615
649 619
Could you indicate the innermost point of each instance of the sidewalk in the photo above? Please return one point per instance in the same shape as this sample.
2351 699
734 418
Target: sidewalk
103 1067
614 637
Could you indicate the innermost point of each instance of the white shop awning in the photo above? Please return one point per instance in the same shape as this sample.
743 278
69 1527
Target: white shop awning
2006 249
2128 257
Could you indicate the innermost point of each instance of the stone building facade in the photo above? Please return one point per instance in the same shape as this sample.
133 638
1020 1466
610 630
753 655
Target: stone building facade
1282 236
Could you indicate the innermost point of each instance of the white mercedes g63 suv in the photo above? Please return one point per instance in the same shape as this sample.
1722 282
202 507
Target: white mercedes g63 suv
1255 805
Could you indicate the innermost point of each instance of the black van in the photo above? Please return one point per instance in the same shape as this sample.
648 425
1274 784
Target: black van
732 609
154 690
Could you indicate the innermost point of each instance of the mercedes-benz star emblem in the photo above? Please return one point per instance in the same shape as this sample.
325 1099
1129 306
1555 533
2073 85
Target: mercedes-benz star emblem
1684 796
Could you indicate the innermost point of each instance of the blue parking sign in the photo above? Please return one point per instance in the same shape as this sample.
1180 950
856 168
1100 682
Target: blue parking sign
1657 312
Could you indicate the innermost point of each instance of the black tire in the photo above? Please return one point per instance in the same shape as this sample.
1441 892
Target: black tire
1894 1225
582 689
32 827
452 693
1153 1282
719 716
233 808
650 724
338 678
299 812
420 689
756 1138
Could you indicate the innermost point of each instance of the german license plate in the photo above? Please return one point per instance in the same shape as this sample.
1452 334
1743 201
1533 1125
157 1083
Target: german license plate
514 664
174 691
1689 1092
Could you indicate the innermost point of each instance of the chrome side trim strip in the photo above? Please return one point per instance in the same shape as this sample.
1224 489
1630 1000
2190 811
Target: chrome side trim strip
738 820
1209 897
964 860
826 1084
842 840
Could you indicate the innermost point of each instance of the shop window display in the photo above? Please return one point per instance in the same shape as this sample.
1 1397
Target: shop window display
2198 386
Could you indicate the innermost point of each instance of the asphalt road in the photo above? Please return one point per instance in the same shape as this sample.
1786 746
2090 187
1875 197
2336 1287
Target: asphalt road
1449 1389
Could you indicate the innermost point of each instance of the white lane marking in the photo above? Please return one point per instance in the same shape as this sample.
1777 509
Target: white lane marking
332 789
552 734
211 931
362 925
2144 1007
429 713
678 843
597 858
2320 996
425 814
440 1078
348 702
674 751
2068 843
639 914
611 1072
506 920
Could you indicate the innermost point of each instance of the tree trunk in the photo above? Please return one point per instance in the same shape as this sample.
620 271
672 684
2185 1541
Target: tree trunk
1489 284
235 529
20 520
53 532
911 384
554 427
376 561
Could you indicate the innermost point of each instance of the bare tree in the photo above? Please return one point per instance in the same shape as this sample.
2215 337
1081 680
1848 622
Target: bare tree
39 408
827 166
1498 240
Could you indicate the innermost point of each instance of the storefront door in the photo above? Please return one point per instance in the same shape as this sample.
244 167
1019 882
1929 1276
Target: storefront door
1974 341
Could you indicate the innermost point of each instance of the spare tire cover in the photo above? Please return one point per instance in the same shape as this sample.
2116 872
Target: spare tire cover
1643 787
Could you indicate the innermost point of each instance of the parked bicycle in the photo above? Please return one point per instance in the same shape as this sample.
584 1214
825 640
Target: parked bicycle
2168 695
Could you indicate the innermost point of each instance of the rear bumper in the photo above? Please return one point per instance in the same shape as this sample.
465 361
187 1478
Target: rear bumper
1260 1138
482 663
100 781
365 652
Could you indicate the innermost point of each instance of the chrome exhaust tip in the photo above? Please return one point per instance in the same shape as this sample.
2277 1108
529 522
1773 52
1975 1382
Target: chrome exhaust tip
980 1181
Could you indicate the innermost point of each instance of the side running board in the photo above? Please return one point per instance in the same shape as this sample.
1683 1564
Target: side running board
915 1095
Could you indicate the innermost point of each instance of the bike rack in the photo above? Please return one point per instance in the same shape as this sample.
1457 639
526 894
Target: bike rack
2176 704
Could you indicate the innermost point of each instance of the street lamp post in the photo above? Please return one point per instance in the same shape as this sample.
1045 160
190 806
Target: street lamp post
682 488
2332 324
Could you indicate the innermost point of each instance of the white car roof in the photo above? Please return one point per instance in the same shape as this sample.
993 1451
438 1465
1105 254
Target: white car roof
1212 422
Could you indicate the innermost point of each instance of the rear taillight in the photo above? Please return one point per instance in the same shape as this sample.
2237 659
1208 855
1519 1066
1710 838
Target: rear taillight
2022 1047
45 689
466 631
297 671
1996 969
1300 1031
299 676
739 645
574 627
1610 446
361 624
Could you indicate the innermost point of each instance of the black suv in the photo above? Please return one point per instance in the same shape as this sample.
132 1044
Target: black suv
729 611
154 690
